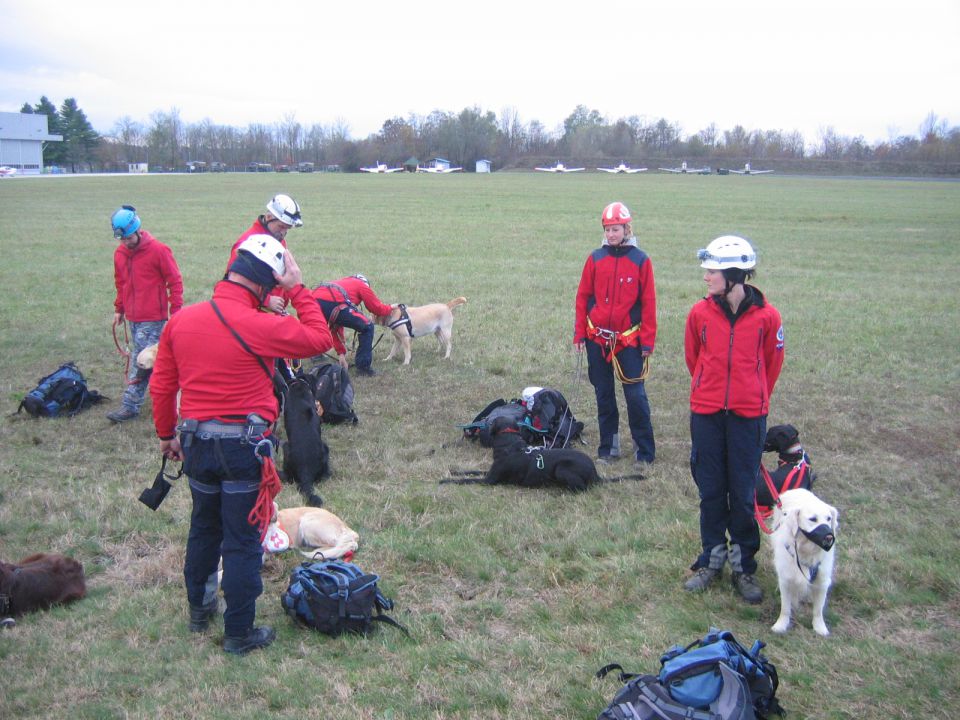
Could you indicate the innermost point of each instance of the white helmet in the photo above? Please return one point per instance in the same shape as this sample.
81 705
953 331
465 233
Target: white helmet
728 251
266 249
285 209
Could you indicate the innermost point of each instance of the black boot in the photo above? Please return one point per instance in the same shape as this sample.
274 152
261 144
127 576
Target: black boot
258 637
200 616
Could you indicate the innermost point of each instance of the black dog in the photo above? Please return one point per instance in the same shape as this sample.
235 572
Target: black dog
305 454
514 463
37 582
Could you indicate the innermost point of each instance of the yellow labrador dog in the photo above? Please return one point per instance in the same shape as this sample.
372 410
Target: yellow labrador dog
410 322
147 357
317 533
805 530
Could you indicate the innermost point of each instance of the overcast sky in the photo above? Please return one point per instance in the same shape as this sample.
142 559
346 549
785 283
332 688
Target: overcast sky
873 68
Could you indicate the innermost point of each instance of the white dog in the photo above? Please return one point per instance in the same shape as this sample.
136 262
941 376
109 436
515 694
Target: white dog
317 533
804 533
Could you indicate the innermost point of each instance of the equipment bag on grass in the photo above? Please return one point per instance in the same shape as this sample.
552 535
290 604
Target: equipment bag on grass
334 597
479 429
62 392
549 421
645 698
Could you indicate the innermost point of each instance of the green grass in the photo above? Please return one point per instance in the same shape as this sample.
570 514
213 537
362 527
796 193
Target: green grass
513 598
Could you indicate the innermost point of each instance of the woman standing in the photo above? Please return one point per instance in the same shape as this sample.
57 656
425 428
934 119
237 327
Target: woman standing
734 351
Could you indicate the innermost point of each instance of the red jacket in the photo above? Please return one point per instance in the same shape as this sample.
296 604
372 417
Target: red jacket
149 286
357 291
617 291
258 228
734 365
217 378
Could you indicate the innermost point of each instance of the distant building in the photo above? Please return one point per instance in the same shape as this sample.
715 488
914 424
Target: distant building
440 164
484 166
22 136
137 168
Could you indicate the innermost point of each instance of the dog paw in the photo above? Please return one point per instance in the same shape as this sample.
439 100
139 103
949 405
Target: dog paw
781 626
315 501
820 628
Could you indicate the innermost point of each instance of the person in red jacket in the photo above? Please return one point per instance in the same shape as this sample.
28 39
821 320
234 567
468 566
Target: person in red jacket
220 356
283 213
616 323
340 301
149 290
734 351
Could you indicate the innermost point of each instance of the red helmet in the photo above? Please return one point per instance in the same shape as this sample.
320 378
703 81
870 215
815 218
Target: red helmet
616 213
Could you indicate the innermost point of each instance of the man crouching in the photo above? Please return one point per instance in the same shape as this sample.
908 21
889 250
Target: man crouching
220 355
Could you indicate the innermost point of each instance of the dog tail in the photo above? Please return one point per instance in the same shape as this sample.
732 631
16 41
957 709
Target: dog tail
619 478
456 301
464 480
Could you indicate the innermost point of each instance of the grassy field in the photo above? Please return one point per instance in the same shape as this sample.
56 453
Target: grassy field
513 598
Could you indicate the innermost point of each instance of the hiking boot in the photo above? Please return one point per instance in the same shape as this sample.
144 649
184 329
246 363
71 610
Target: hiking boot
748 587
701 579
122 414
258 637
367 371
201 616
607 459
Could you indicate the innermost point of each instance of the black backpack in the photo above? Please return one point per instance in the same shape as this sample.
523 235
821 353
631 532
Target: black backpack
549 421
479 429
334 392
334 596
62 392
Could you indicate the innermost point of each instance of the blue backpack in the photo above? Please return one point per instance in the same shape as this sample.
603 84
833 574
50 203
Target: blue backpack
334 597
63 392
714 677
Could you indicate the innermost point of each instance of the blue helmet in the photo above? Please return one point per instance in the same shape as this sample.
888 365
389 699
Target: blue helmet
125 222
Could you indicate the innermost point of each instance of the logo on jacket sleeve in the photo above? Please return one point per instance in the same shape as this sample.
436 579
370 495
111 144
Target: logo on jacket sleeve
780 338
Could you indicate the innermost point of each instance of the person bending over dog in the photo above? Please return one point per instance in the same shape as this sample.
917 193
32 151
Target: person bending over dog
340 301
217 354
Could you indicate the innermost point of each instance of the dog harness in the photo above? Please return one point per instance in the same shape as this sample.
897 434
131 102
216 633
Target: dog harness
612 343
404 319
793 480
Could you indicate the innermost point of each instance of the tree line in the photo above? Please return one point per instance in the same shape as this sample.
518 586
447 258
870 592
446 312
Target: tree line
585 137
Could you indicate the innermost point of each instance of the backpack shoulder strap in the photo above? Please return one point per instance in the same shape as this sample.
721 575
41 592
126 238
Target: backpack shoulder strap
240 340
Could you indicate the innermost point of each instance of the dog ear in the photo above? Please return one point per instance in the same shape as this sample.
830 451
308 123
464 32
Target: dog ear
792 520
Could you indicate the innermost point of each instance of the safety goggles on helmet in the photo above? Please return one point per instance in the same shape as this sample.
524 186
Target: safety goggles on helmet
285 209
125 222
726 252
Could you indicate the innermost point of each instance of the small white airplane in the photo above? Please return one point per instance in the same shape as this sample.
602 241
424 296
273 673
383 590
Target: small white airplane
622 168
381 168
7 171
559 168
747 171
438 169
688 170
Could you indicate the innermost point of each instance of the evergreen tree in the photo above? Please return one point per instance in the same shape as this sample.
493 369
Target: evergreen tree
54 153
27 108
79 137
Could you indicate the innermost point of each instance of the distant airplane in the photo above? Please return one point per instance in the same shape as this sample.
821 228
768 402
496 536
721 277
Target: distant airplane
559 168
684 169
381 168
7 171
621 168
438 169
747 171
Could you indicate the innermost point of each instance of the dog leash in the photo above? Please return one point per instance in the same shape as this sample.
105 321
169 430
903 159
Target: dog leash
125 350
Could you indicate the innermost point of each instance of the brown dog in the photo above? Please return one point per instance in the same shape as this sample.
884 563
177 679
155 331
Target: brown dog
410 322
39 581
317 533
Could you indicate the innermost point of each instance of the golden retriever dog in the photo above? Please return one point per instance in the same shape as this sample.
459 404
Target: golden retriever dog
805 530
410 322
147 357
317 533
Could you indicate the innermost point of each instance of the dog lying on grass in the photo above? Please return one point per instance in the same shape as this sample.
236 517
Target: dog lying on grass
410 322
39 581
803 540
515 463
317 533
305 454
